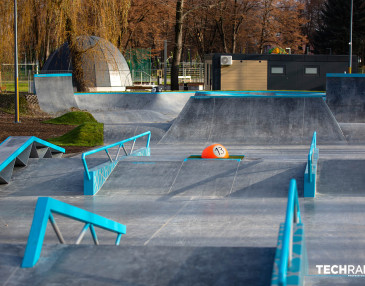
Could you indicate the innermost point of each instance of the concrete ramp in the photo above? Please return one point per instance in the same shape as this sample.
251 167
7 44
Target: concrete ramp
345 95
55 92
117 108
258 120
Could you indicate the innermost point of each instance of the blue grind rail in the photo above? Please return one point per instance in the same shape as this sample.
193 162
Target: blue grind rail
16 150
310 174
95 177
291 261
43 212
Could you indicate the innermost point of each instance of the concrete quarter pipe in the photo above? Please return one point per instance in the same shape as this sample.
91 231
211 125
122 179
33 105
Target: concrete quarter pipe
253 120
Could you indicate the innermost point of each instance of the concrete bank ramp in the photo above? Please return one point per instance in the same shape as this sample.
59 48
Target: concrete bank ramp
249 178
55 92
259 120
111 108
118 132
345 96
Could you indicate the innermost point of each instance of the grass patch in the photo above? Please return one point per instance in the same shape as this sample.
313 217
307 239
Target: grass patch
72 118
87 134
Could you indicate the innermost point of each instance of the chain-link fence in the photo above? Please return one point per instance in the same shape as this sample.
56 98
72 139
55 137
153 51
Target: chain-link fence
25 77
188 73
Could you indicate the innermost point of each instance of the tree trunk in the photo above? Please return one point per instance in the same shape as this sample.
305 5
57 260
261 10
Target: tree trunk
76 57
178 45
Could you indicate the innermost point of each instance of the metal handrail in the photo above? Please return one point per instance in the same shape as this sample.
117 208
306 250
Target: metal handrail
43 212
310 155
292 216
121 145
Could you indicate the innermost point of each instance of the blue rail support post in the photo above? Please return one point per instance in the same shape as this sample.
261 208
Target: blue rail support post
310 175
291 256
94 178
43 212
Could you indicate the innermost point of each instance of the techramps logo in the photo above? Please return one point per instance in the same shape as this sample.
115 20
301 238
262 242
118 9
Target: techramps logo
341 270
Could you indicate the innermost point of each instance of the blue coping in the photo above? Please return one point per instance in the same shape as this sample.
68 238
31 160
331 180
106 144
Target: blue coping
345 75
131 92
256 94
43 211
24 146
53 75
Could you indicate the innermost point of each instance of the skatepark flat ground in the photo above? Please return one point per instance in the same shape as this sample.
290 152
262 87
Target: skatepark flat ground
182 215
193 222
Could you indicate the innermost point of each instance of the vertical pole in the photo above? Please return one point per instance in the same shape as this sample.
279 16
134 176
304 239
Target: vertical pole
350 43
165 65
16 63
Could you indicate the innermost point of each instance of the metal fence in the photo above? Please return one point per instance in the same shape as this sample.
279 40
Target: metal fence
188 72
26 73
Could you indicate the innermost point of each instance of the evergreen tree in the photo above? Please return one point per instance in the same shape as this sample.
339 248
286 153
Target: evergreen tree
334 30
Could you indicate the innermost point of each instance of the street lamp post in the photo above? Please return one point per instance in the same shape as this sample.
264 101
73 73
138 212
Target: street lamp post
350 43
16 63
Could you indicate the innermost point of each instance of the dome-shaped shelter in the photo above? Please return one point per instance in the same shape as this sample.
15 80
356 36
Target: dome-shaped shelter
104 67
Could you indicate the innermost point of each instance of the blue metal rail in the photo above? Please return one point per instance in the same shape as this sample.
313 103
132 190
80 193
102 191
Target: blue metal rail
95 178
310 174
43 212
310 155
292 216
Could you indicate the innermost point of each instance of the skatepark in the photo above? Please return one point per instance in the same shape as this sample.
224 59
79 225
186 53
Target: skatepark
191 221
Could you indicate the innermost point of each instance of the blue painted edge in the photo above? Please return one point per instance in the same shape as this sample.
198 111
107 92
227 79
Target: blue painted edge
50 145
5 140
25 146
53 75
44 207
256 96
133 92
345 75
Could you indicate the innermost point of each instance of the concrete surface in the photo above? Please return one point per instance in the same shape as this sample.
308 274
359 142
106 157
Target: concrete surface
196 222
122 108
188 223
55 93
345 96
254 121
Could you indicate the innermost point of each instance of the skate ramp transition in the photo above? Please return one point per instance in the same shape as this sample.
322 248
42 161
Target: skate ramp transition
345 96
254 120
112 108
55 92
